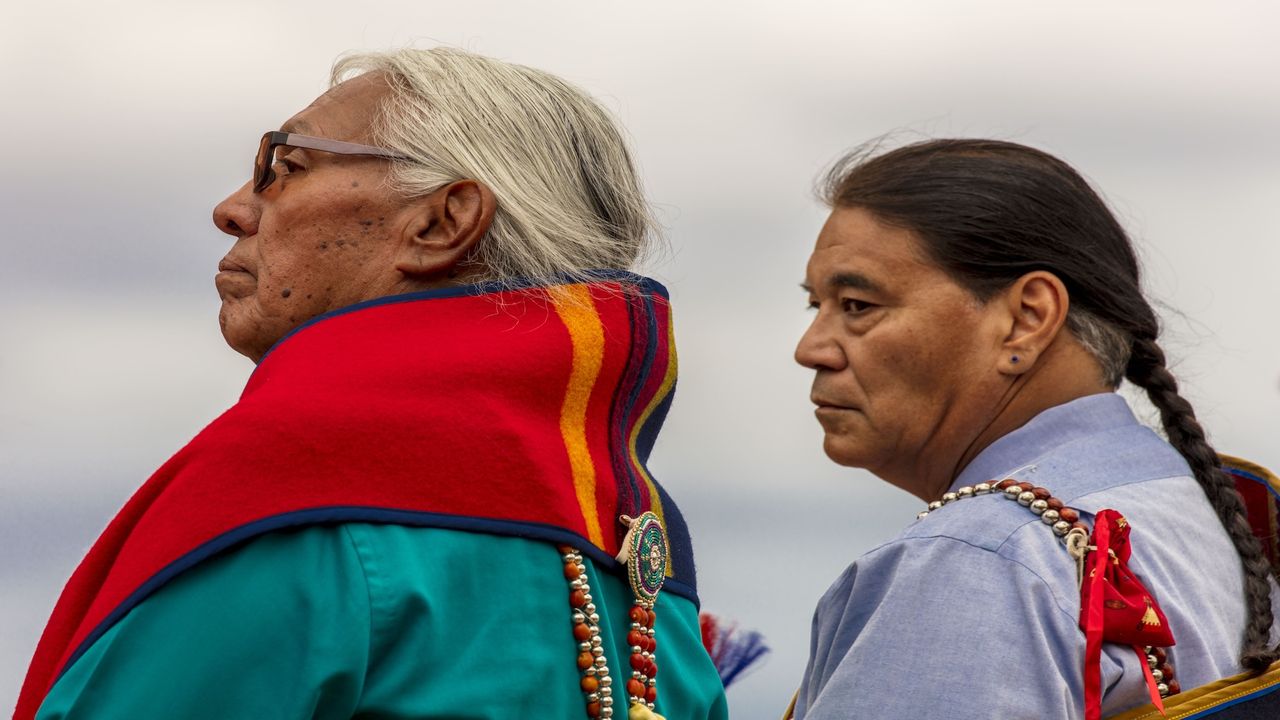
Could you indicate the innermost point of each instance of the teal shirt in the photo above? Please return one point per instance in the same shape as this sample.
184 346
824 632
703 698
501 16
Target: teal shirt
376 621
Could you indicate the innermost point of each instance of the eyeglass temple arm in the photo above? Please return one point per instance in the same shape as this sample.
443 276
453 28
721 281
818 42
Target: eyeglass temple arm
340 147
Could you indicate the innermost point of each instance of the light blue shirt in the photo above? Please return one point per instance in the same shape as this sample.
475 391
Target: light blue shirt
972 611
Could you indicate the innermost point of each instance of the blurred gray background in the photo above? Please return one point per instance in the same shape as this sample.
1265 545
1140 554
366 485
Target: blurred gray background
122 124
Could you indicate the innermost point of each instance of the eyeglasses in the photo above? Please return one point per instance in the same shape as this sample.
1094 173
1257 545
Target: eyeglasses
264 174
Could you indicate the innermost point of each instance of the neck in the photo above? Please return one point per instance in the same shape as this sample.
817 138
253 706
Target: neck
1065 372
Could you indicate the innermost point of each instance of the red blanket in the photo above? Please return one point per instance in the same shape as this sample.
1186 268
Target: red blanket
525 412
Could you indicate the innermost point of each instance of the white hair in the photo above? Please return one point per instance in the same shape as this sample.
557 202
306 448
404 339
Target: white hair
568 196
1108 344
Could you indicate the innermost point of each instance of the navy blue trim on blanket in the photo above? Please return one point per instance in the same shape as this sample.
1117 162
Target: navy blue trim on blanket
1245 474
681 551
387 516
1251 713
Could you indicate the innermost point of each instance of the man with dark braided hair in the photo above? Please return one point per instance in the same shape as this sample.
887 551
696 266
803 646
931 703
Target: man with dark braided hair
977 305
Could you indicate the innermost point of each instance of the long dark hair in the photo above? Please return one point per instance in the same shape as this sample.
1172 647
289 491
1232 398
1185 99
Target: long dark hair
988 212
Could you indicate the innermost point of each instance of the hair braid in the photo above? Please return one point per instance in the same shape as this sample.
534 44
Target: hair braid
1147 370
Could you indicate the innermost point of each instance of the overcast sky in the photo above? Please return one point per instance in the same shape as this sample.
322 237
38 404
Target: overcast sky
122 124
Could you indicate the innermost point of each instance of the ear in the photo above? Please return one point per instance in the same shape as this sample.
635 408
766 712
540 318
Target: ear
443 228
1037 304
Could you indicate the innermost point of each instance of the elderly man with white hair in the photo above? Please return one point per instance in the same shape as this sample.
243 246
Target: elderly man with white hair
431 499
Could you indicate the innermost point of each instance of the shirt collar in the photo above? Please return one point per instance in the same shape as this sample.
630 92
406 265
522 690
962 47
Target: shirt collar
1052 428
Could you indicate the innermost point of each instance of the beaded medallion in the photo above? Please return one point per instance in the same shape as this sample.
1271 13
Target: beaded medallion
647 557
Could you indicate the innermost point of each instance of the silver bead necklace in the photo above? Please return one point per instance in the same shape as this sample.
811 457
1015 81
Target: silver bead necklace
1073 532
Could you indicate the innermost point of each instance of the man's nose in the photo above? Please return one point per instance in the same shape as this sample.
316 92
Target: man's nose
818 349
238 214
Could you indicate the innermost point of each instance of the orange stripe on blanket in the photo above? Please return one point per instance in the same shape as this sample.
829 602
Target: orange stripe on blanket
668 382
577 311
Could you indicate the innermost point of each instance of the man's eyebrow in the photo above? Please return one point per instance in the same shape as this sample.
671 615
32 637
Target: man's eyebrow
854 280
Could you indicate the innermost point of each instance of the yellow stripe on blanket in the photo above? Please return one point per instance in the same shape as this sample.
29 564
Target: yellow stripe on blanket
577 311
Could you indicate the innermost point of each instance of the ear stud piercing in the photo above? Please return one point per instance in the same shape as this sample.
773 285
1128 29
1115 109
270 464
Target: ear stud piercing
1014 359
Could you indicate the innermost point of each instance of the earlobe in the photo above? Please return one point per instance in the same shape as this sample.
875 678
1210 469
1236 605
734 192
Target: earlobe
443 229
1038 305
1015 363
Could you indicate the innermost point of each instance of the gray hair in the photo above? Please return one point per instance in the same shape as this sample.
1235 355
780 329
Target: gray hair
1109 345
568 196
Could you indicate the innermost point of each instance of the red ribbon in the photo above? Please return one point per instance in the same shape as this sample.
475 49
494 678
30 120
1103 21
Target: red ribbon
1091 618
1116 607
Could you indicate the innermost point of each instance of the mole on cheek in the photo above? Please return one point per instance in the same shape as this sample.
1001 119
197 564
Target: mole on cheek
286 292
355 183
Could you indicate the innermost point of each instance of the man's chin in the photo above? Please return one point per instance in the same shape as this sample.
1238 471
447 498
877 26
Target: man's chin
842 452
241 335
